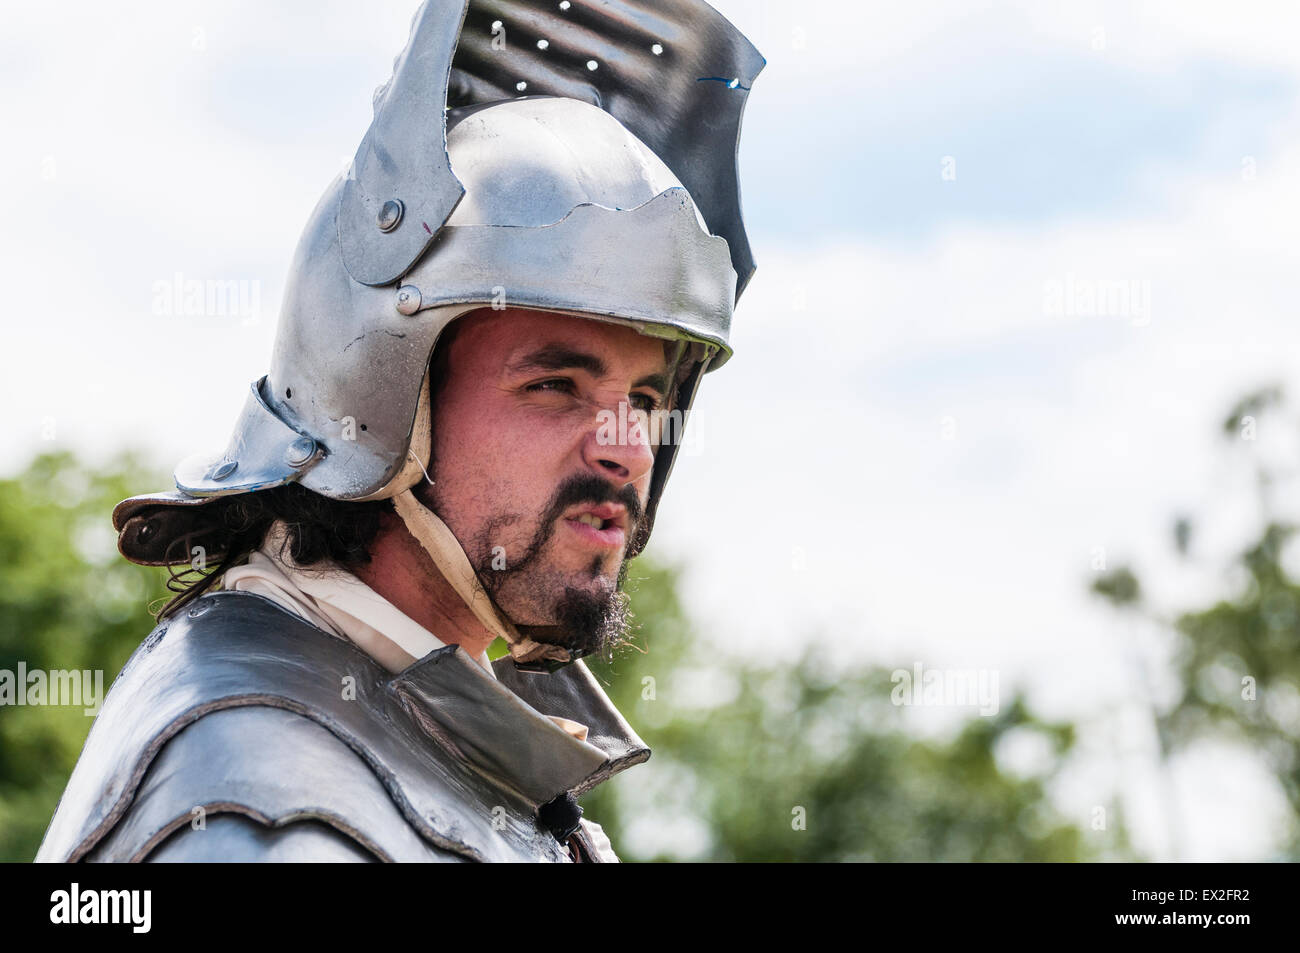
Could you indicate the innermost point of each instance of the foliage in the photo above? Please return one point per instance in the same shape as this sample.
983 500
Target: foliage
811 762
67 601
737 746
1237 661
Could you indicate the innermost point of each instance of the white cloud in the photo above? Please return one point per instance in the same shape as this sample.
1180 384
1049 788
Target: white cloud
825 503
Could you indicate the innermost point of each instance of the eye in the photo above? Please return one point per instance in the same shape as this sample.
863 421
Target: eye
648 402
558 384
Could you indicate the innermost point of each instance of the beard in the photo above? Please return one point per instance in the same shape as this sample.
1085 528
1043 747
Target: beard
588 623
586 620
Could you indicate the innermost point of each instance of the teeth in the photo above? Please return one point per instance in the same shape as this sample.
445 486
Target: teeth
590 520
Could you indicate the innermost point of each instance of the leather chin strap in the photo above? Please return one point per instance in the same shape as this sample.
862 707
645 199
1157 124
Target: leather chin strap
448 555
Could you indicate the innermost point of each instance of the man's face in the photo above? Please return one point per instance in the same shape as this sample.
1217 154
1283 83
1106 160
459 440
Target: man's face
533 471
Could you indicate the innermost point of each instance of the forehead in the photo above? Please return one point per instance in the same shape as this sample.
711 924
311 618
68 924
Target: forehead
500 337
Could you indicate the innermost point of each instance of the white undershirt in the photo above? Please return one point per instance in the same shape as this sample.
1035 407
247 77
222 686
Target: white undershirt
333 599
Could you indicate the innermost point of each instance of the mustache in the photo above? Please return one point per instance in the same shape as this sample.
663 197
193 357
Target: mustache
589 488
576 490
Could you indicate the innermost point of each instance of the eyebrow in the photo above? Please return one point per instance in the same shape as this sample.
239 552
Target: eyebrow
558 357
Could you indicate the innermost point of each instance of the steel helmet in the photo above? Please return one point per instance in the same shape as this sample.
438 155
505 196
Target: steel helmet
517 156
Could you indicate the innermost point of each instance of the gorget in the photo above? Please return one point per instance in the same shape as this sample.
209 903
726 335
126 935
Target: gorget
239 719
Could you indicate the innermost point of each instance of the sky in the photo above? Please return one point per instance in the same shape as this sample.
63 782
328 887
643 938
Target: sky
926 438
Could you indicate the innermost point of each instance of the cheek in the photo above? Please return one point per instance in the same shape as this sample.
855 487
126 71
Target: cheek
489 465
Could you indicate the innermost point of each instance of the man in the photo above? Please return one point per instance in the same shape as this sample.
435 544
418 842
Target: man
494 327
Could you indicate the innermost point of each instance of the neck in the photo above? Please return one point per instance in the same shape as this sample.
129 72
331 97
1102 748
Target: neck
402 572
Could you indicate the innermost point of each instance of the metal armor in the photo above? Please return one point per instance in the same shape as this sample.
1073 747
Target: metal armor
576 157
239 731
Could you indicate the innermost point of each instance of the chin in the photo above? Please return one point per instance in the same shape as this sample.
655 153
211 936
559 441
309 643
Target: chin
595 579
534 609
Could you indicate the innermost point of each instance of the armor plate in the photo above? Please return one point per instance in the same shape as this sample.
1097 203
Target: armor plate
241 708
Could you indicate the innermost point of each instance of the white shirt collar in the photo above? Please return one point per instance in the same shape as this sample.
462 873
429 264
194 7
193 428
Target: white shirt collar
335 600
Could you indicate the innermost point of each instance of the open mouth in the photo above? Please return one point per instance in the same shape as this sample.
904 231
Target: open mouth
601 527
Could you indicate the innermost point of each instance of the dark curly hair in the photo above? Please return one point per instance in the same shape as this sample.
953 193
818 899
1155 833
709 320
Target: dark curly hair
320 530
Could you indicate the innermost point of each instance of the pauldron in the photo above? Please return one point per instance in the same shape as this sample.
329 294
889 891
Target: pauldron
240 731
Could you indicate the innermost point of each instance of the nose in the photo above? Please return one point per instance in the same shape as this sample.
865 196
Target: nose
618 446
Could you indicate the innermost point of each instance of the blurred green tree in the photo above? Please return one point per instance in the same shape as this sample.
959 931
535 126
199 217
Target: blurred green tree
67 601
812 762
1237 661
808 761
